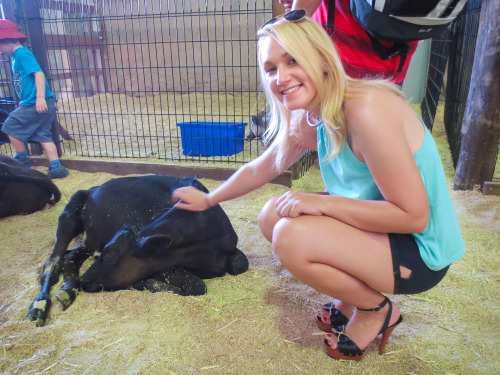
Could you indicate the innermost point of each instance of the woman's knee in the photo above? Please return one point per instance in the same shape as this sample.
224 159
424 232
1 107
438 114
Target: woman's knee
287 240
268 219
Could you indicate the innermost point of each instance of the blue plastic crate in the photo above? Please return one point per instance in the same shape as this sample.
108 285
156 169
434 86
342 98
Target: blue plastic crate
212 138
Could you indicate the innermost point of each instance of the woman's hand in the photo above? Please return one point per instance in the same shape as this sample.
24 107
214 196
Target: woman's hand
191 199
295 203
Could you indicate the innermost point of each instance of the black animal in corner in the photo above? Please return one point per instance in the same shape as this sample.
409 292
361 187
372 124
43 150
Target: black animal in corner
4 138
24 190
139 240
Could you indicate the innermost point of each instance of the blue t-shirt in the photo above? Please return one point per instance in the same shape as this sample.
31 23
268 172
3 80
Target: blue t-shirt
441 242
24 65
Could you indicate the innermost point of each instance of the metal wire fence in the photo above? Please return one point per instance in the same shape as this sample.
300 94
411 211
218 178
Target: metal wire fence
462 48
438 60
160 79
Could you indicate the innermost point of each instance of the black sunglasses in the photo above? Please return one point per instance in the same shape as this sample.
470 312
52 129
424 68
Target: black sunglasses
293 16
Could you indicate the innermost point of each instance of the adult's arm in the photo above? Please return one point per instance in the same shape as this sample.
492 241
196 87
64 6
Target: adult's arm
247 178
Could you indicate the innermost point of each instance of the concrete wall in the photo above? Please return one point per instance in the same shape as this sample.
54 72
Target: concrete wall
178 46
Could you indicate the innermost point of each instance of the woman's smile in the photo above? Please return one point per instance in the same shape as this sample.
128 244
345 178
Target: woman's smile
291 90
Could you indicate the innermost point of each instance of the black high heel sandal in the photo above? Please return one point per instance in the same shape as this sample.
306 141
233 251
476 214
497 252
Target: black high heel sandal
348 350
337 319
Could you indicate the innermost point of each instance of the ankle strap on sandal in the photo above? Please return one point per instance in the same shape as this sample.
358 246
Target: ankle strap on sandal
387 317
376 308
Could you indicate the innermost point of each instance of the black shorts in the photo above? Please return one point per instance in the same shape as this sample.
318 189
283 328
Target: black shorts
405 253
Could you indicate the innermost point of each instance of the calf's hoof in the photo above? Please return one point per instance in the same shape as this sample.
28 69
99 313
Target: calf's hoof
194 288
66 297
38 311
237 263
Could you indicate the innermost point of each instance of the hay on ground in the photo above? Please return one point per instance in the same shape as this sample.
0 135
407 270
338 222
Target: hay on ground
260 322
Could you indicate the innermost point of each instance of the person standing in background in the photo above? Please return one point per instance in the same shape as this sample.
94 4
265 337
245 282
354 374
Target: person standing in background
33 119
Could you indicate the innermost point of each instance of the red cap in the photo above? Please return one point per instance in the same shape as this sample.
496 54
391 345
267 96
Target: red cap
8 30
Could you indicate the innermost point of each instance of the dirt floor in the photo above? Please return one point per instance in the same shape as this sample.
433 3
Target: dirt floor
257 323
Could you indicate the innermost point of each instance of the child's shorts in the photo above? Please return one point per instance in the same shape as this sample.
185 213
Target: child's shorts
405 253
26 124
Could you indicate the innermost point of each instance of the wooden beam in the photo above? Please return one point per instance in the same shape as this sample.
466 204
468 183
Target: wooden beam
121 168
62 41
491 188
75 73
70 7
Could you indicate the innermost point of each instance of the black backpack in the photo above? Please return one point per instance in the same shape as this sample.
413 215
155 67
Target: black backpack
400 21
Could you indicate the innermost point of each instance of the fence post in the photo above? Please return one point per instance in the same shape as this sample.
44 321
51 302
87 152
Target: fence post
481 125
31 10
9 10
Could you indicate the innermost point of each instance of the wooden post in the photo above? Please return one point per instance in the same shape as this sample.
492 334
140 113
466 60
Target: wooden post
9 10
481 125
35 30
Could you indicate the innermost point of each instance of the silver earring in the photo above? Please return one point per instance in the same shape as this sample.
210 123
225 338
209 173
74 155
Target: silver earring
318 123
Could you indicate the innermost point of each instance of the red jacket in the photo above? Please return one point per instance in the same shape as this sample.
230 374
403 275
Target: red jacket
354 47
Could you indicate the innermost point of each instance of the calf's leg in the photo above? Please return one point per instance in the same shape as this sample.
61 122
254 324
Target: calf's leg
237 263
174 280
68 228
72 264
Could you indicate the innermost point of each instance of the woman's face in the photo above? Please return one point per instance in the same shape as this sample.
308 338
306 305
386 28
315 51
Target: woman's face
286 79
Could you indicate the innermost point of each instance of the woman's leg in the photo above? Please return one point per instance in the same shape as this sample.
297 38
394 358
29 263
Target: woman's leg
267 220
339 260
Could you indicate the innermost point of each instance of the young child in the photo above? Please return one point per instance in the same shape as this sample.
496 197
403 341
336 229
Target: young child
32 121
386 224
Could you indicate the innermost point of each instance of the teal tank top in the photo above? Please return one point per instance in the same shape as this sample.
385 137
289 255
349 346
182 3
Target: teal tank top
441 242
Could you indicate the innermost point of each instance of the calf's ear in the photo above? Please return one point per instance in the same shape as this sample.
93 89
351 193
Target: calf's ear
152 244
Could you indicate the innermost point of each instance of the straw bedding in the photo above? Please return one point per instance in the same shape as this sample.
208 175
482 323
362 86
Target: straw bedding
260 322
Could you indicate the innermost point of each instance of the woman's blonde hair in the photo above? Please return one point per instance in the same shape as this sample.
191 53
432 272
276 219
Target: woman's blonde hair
312 48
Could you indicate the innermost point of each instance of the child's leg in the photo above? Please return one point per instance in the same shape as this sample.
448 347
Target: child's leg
56 170
20 147
50 150
17 144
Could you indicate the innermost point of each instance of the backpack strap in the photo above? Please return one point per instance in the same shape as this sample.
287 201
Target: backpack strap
385 53
330 21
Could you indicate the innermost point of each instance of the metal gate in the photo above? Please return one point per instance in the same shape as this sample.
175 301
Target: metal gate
152 79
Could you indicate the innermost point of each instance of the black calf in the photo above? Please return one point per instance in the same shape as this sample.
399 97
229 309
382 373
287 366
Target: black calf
139 241
24 190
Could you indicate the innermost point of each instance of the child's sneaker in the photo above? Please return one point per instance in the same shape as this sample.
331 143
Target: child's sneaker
61 173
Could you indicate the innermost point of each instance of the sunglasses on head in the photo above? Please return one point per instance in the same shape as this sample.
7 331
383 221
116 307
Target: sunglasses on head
293 16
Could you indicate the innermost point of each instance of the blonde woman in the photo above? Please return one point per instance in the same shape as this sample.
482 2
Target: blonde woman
386 223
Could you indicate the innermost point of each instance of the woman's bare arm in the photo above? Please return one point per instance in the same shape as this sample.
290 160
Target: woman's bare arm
246 179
